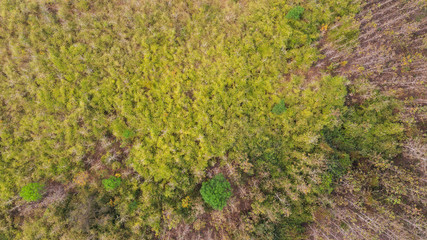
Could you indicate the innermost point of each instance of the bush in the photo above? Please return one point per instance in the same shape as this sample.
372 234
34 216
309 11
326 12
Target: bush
32 192
216 192
111 183
279 108
295 13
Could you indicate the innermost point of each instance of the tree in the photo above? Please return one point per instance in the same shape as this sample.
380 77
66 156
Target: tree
216 192
32 192
111 183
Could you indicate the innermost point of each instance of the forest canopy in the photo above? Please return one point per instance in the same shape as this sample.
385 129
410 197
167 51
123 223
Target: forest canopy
123 109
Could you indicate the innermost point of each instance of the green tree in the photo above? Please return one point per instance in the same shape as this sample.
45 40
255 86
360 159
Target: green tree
32 192
111 183
279 108
295 13
216 192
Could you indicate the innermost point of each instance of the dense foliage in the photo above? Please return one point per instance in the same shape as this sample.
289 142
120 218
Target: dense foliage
295 13
111 183
279 108
216 192
164 92
32 192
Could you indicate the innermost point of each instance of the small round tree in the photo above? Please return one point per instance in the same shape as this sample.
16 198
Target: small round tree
216 192
295 13
111 183
32 192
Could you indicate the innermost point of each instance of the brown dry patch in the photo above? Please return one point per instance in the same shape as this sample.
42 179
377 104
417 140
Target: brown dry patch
54 192
355 214
112 151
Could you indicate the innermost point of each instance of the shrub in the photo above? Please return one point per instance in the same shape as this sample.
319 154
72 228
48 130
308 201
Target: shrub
216 192
32 192
111 183
295 13
279 108
128 134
